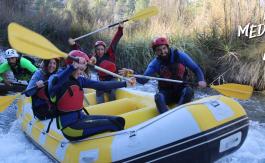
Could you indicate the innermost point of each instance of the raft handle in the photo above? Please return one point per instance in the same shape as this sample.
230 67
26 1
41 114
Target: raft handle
214 103
132 133
63 144
43 132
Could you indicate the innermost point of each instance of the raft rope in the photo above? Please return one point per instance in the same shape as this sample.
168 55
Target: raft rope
221 78
131 133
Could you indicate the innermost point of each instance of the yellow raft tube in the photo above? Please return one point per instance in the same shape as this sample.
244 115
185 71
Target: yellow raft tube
201 131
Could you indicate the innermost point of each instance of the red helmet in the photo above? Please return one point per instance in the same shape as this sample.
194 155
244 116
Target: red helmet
159 41
76 53
100 43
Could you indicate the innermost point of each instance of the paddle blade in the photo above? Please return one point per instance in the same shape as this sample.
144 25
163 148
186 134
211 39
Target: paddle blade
148 12
32 43
6 101
239 91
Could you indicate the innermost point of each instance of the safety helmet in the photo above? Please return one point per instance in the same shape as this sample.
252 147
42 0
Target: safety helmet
77 53
100 43
159 41
10 53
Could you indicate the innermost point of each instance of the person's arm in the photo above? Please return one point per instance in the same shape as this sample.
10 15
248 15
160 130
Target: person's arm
4 67
152 68
114 42
55 81
75 46
25 63
187 61
100 85
37 76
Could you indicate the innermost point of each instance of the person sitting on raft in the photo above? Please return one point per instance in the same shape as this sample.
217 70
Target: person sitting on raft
41 105
66 91
104 57
170 64
21 67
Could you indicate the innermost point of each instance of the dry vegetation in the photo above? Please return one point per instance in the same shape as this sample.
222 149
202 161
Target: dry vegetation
205 29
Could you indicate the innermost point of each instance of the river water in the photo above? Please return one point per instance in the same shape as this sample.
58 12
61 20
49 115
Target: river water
15 147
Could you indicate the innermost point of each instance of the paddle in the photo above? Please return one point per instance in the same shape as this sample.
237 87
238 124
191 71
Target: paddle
31 43
143 14
239 91
162 79
34 44
6 101
19 35
15 87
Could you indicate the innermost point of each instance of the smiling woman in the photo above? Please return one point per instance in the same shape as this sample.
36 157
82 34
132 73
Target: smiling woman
66 87
50 66
41 105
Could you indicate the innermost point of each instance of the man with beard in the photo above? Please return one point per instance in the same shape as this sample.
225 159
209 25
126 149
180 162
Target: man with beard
171 64
21 67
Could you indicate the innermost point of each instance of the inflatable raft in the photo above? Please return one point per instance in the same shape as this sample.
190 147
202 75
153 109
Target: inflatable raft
201 131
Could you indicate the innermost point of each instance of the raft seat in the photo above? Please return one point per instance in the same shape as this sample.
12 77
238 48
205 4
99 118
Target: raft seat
116 107
128 105
91 97
139 116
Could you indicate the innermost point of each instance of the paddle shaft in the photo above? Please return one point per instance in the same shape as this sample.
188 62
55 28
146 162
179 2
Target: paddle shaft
147 12
13 87
32 88
18 83
232 90
91 65
118 76
163 79
14 83
101 69
101 29
108 72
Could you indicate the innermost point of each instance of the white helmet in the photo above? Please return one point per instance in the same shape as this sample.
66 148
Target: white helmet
11 53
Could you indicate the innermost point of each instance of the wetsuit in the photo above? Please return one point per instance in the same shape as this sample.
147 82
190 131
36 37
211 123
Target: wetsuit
67 93
174 68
